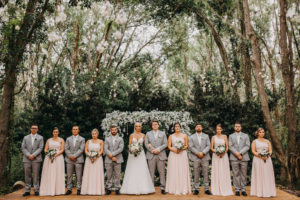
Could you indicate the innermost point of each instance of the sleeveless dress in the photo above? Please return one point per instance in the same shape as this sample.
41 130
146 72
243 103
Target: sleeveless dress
53 174
178 171
137 179
220 175
93 174
262 178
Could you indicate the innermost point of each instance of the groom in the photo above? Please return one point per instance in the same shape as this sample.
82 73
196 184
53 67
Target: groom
199 146
239 145
156 142
74 158
113 147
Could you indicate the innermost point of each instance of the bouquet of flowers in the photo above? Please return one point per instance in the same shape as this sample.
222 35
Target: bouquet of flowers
135 149
92 155
51 153
264 153
220 149
179 144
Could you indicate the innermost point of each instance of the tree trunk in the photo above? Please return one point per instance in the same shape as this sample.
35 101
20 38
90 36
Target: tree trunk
246 56
261 88
17 42
288 79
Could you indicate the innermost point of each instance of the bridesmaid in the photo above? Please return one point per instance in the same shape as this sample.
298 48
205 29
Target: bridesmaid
178 172
262 179
53 174
220 175
93 174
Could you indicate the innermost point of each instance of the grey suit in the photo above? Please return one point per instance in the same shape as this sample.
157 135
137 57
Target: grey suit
113 169
32 167
77 152
239 167
157 161
195 148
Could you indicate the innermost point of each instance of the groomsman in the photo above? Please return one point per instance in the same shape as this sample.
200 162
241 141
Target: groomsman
199 145
239 145
113 147
74 158
32 146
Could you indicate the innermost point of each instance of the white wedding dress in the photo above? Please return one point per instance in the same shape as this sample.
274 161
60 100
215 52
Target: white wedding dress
137 179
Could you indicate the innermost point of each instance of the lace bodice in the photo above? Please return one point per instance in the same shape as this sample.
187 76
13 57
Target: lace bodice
140 141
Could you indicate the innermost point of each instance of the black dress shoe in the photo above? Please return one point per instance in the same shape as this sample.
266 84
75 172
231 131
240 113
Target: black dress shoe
208 192
36 193
163 191
117 192
244 193
237 193
26 194
78 192
68 192
196 192
108 192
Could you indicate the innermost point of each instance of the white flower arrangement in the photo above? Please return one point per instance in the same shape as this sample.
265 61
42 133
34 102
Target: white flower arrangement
135 149
179 144
51 153
165 119
220 149
264 153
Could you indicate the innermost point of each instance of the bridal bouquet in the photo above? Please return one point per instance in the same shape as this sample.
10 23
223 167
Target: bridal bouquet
220 149
179 144
51 153
135 149
264 153
92 155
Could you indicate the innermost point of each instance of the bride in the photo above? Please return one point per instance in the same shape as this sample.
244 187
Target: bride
137 179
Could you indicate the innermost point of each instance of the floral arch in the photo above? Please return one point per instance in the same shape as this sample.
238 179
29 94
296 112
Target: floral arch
166 120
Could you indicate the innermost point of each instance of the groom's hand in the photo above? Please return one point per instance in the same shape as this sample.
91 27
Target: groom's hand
114 159
110 155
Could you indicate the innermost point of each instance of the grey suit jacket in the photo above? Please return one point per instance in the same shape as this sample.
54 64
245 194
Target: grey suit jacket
35 149
195 147
116 149
160 143
243 146
76 151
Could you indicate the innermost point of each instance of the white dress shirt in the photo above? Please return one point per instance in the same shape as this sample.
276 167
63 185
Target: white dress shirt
155 134
238 136
75 140
199 136
33 136
114 137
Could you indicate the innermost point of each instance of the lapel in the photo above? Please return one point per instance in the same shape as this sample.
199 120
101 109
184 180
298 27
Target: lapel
241 138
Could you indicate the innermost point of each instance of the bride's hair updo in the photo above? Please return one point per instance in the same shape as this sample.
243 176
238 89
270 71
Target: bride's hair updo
96 130
257 132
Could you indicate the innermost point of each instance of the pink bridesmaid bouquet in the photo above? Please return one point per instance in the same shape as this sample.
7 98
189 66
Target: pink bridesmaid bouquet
135 149
264 153
51 153
220 149
179 145
92 155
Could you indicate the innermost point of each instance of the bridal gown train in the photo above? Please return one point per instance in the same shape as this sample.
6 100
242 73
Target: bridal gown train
137 179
